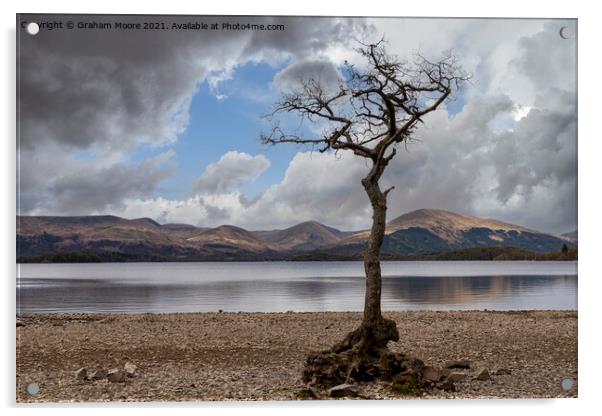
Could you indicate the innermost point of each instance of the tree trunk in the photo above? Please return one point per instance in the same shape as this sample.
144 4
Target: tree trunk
372 312
372 336
376 331
363 353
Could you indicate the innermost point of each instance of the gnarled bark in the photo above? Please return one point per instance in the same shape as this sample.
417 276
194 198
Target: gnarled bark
363 354
375 331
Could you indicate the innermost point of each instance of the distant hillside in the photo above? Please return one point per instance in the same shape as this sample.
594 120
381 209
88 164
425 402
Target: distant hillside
110 238
446 225
432 231
178 231
573 235
305 236
228 241
418 233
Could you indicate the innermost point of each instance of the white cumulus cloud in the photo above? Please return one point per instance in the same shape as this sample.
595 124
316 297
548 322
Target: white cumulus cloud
231 171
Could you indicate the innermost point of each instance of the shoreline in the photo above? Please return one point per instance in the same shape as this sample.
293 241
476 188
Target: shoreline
259 356
68 316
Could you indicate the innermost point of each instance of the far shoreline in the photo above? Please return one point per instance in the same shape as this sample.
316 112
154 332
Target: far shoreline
307 261
487 253
89 314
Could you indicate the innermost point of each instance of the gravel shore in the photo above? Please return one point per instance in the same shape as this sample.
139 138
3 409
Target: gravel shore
259 356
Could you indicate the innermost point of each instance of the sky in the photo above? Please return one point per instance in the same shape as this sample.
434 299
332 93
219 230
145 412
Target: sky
165 124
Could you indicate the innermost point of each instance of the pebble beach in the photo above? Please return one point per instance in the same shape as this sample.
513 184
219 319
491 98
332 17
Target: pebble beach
260 356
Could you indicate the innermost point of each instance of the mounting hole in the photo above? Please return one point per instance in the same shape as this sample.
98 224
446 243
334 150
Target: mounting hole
32 28
32 389
566 32
567 384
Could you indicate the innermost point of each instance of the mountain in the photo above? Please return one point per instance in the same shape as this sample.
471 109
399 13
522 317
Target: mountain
432 231
75 230
447 225
418 233
111 238
181 230
232 241
573 236
307 235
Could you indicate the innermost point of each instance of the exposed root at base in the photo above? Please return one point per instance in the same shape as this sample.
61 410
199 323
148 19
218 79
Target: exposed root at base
363 356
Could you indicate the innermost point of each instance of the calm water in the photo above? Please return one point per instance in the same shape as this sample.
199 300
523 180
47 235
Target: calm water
297 286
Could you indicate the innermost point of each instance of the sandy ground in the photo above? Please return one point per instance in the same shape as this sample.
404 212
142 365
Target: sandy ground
257 356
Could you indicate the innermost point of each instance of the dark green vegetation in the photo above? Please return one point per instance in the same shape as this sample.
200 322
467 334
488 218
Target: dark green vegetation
473 253
77 257
501 253
419 235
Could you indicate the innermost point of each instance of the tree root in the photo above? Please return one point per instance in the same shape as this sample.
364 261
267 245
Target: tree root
363 356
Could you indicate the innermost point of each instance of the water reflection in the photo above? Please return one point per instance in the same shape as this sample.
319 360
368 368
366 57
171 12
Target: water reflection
482 292
267 287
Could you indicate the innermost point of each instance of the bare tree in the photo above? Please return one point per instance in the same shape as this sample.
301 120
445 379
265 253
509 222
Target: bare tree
373 110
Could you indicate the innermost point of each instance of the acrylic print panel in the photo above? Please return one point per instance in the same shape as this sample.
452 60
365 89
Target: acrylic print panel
291 208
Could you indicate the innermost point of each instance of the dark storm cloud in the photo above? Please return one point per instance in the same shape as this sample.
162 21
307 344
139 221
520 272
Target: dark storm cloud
108 91
98 189
107 187
546 133
114 88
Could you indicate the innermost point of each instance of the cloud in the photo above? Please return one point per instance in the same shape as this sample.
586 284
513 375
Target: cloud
98 190
231 171
307 37
460 163
121 88
315 186
525 175
506 148
109 92
546 60
322 71
510 156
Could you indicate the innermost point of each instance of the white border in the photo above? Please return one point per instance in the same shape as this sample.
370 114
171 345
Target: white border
589 189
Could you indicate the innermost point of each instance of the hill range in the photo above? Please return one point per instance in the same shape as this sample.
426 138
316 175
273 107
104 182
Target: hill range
425 232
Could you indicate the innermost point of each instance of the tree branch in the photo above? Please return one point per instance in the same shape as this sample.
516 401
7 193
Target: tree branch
372 109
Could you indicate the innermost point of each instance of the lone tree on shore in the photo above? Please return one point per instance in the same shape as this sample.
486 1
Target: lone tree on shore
372 110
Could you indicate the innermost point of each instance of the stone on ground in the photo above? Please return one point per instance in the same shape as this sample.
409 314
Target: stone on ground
483 375
98 375
343 390
130 369
116 375
447 385
81 374
459 364
457 377
431 373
